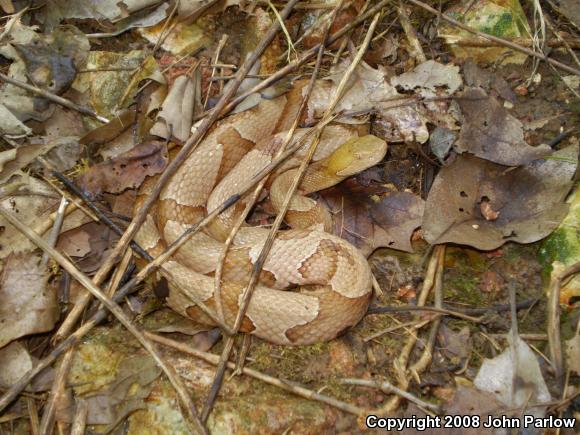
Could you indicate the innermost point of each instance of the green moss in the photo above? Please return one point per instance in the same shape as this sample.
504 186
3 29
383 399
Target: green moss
501 27
563 245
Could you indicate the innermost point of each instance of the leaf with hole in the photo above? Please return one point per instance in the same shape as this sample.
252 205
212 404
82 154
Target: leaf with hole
482 204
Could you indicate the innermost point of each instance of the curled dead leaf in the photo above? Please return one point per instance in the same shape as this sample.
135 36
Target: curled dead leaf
126 171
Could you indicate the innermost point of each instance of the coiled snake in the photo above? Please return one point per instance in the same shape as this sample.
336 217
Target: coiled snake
313 284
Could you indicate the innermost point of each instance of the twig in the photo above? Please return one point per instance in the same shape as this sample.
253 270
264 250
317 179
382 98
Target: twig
258 264
446 311
525 42
501 41
221 45
287 386
402 361
80 420
56 393
415 45
388 388
185 400
554 339
53 97
56 227
465 313
427 355
33 413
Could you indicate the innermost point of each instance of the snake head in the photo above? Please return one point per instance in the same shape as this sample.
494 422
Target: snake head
356 155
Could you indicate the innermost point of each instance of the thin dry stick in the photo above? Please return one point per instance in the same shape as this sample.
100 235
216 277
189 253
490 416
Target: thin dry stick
389 388
119 272
56 227
408 326
290 387
194 139
185 400
415 45
221 45
401 363
501 41
56 393
257 268
524 42
53 97
33 414
567 44
554 339
427 355
43 226
80 420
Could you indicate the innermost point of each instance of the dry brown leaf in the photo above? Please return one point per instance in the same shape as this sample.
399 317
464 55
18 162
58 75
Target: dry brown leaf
455 345
100 240
367 224
112 10
15 159
182 104
128 170
489 131
527 202
15 361
471 401
32 201
430 75
573 354
74 243
368 90
398 214
27 304
481 78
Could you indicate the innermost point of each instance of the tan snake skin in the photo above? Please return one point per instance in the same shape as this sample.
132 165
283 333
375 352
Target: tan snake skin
314 285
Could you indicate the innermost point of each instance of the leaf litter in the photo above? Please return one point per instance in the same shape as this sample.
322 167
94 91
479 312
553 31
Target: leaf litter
467 167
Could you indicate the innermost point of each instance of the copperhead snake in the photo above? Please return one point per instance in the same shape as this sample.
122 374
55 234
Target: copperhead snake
314 285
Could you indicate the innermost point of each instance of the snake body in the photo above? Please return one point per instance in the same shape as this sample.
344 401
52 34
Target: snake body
314 284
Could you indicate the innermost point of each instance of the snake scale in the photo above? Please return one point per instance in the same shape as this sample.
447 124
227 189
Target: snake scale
314 285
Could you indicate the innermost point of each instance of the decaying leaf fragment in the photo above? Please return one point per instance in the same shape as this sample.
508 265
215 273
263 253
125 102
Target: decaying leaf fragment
482 204
128 382
368 90
32 201
489 131
15 362
430 75
514 377
126 171
17 158
182 103
388 222
27 304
